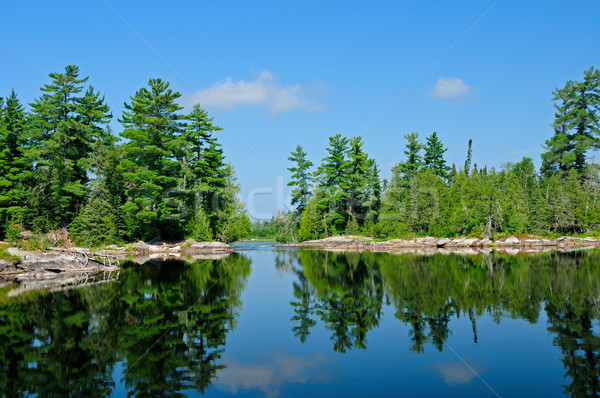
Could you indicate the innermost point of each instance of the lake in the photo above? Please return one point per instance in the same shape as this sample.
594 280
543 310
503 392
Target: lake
269 322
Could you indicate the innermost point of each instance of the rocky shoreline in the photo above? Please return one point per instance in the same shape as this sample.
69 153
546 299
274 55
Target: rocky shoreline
162 250
509 244
61 268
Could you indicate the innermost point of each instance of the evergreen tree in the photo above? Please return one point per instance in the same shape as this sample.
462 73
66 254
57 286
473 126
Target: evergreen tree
414 160
576 125
301 177
15 165
469 157
95 114
201 157
332 178
434 156
233 222
64 129
314 219
149 163
204 169
358 178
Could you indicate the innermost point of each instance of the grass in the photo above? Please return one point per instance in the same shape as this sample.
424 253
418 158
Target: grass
5 255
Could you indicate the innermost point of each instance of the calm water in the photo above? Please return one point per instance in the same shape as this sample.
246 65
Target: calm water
281 323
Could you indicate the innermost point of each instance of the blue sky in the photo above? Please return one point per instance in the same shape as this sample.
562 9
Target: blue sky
278 74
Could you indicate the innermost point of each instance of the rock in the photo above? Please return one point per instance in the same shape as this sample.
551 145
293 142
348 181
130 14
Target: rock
426 241
470 242
443 242
207 247
455 242
510 241
533 242
141 247
485 242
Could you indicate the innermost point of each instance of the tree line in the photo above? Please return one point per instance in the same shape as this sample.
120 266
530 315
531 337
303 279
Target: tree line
165 176
425 196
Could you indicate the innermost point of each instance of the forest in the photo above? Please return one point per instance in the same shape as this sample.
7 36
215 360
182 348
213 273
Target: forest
426 196
165 176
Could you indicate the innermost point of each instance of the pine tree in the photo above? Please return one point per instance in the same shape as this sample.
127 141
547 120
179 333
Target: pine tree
434 156
149 163
469 157
198 165
64 129
95 114
576 125
15 165
332 178
358 173
414 160
301 177
233 222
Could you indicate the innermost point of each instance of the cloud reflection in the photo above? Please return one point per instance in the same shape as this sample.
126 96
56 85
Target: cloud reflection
458 373
277 371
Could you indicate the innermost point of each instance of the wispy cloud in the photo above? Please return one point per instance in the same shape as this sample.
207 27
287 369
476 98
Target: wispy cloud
264 92
450 88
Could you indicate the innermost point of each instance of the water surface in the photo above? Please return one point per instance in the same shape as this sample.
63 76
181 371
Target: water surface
281 323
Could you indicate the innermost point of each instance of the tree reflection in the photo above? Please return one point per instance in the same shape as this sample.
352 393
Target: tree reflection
167 324
348 297
574 334
429 291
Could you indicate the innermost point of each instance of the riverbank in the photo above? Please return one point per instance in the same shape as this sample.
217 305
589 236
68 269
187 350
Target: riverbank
509 244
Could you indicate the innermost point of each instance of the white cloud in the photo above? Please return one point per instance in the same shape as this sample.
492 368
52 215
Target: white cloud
450 88
264 91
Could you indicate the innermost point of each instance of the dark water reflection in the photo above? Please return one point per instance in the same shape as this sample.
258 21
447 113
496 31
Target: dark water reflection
295 323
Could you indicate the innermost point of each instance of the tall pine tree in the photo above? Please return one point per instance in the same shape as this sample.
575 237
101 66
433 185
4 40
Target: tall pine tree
152 126
64 127
301 177
15 165
434 156
576 126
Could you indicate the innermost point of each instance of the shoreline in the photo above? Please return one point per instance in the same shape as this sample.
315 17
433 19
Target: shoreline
63 268
510 244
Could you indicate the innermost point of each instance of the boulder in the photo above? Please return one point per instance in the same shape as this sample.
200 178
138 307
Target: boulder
141 247
510 241
443 242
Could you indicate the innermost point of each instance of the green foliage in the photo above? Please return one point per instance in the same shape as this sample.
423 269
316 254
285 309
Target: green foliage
200 227
78 337
434 156
414 160
576 125
5 255
65 127
96 224
312 224
300 178
467 167
149 166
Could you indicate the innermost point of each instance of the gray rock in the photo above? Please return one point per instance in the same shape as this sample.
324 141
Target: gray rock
443 242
